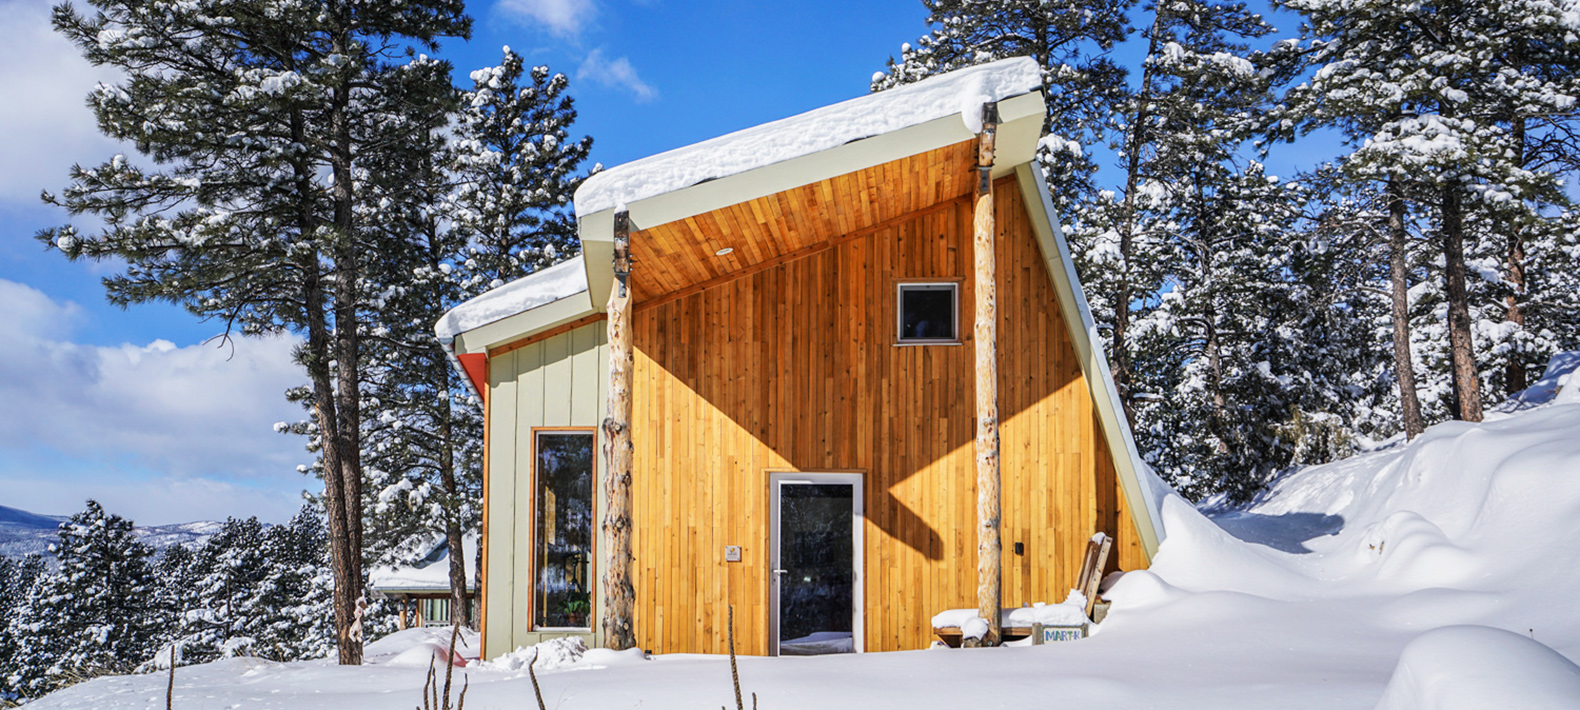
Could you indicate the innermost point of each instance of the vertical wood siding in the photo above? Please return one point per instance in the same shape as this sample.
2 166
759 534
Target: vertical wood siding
794 368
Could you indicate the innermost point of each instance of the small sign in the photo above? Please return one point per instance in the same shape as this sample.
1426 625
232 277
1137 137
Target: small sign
732 553
1056 634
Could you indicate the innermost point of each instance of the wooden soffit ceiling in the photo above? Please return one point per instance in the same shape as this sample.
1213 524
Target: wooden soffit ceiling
681 257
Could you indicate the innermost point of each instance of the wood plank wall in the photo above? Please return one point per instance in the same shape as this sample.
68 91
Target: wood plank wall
794 368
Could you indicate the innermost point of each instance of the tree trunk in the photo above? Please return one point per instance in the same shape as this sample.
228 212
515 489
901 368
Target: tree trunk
1461 348
460 612
348 365
1134 140
619 597
1398 277
316 357
985 335
1514 375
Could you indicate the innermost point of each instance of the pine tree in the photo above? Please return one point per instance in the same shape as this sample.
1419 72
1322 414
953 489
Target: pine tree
17 578
92 616
1438 96
261 118
517 168
295 595
514 168
1069 39
1189 113
229 568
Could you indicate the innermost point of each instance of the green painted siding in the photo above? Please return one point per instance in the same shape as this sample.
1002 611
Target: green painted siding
556 382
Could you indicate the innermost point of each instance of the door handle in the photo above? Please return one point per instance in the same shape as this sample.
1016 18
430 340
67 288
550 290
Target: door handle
781 571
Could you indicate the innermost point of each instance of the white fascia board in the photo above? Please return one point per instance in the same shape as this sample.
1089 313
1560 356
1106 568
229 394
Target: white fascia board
1020 125
1088 345
525 323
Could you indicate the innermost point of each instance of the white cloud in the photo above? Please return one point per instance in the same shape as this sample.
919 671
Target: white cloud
616 73
199 417
561 17
44 117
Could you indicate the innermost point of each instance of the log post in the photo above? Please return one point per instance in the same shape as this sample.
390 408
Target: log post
619 597
985 334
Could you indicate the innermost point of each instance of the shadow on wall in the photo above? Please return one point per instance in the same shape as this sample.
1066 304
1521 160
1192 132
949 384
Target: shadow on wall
801 356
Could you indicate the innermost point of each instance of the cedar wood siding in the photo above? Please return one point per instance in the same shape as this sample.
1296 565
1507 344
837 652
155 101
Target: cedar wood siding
794 368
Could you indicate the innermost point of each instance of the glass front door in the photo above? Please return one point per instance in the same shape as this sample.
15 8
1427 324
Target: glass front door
817 553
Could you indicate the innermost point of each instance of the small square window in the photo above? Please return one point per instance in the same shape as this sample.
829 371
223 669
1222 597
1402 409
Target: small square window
927 312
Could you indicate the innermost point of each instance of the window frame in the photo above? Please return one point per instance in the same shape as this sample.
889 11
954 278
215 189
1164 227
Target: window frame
534 565
900 286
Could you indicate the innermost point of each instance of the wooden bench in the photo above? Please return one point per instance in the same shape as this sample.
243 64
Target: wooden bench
1091 576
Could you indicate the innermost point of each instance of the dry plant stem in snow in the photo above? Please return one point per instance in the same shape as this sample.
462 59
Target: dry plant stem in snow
735 676
432 698
536 691
170 687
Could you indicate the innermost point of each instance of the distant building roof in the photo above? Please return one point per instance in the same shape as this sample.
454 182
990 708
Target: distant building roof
429 574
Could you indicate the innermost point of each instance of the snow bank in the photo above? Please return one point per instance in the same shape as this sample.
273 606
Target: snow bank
958 92
1557 385
1477 667
416 648
548 655
555 654
1072 612
561 280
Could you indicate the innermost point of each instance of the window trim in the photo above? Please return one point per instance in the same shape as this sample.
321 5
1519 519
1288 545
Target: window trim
532 535
900 286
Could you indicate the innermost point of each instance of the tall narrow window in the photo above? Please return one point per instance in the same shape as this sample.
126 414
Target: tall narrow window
564 532
927 312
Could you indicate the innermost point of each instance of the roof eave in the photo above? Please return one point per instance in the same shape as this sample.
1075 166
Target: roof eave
1020 127
533 320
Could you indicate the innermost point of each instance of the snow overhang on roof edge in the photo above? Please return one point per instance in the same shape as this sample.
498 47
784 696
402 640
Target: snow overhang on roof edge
957 93
1019 129
934 117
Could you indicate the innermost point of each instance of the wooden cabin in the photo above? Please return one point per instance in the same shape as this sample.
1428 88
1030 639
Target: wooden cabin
775 339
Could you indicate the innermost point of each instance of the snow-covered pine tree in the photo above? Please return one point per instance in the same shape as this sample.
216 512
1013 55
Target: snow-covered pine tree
266 116
176 592
1069 39
515 168
1189 111
295 599
1220 353
1436 95
421 438
92 616
17 577
229 569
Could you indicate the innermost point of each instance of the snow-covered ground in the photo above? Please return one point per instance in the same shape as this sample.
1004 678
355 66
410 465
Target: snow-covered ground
1443 573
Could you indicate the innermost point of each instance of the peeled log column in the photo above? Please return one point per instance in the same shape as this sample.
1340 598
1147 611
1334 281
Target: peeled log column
619 598
985 333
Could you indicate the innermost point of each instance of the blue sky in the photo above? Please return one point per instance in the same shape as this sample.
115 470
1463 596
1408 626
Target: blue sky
133 408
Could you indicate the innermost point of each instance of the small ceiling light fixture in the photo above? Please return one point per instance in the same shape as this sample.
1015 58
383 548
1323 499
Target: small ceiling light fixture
723 252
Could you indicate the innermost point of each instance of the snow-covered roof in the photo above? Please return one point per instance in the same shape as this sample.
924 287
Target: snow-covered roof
958 92
432 573
561 280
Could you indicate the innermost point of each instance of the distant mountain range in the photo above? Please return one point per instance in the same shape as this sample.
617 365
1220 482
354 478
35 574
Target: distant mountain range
23 533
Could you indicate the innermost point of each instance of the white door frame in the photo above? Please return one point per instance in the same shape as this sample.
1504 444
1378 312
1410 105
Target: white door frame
776 482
